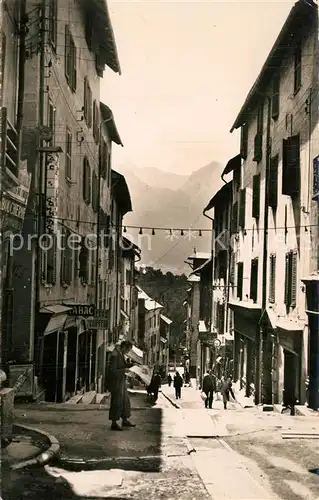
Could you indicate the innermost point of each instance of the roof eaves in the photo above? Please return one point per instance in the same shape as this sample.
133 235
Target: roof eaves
299 8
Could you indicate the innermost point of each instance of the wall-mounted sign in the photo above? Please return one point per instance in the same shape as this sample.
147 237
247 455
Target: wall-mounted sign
84 310
52 191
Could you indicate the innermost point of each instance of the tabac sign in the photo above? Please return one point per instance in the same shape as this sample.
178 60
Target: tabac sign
84 310
52 191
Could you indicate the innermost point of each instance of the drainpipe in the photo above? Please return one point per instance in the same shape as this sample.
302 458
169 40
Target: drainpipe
9 290
259 333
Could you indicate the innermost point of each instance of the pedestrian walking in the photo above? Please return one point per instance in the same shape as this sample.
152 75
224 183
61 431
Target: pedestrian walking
154 386
178 383
169 380
226 390
209 387
120 407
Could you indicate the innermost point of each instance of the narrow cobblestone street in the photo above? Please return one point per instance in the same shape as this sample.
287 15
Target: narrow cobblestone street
172 453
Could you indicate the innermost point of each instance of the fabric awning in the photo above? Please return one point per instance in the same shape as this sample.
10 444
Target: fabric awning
164 341
200 268
55 309
70 322
289 326
56 323
270 315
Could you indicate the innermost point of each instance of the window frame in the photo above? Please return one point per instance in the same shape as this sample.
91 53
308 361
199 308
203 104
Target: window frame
53 24
68 154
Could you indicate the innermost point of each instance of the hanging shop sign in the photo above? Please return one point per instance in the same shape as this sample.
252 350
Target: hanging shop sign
315 194
99 321
52 191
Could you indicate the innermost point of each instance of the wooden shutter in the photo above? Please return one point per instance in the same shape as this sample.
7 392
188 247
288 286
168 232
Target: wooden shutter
240 278
275 97
73 65
291 166
297 68
273 182
222 256
294 261
234 223
272 279
86 181
3 56
244 141
254 280
84 261
258 148
256 197
232 269
287 279
67 49
242 208
85 98
95 192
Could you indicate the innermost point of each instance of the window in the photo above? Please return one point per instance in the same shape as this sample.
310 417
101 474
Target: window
275 97
244 141
68 155
48 259
128 277
221 318
86 181
240 280
66 258
237 178
99 65
315 184
95 192
272 278
273 182
291 166
256 197
242 208
234 221
53 22
222 258
254 280
87 105
70 59
51 119
84 261
258 141
297 67
103 159
92 252
291 278
96 122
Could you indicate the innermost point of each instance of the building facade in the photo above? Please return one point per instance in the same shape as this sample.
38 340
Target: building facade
129 295
67 146
271 222
165 327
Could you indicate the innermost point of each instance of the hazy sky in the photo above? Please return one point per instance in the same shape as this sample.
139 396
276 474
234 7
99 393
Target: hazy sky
187 67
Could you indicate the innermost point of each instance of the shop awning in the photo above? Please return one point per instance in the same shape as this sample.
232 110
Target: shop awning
59 316
202 267
233 163
244 305
164 341
70 322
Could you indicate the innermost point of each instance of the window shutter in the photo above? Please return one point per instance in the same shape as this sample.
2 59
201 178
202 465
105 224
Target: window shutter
234 224
275 97
84 261
294 260
254 280
242 208
3 56
95 190
222 264
99 65
67 53
43 257
74 73
273 182
240 277
76 263
256 196
291 166
272 279
287 280
85 98
244 141
258 148
232 269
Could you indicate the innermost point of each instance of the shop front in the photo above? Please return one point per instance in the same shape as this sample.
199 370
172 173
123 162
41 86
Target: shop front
312 293
246 329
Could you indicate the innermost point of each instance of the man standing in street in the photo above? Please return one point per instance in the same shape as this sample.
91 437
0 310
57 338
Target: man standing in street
120 407
227 388
178 382
209 387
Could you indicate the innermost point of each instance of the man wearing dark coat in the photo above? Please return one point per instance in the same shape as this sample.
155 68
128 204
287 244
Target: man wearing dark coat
120 407
209 387
178 383
227 389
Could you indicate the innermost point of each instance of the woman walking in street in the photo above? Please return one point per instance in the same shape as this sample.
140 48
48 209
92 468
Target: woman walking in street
169 380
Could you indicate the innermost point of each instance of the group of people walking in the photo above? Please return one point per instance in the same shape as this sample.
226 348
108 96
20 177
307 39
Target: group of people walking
213 385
